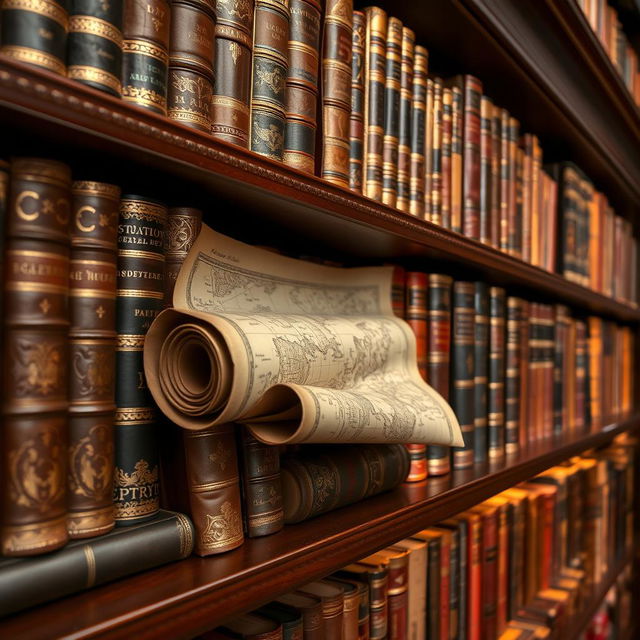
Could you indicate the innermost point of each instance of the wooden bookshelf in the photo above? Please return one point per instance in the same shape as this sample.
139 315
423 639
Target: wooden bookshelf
186 598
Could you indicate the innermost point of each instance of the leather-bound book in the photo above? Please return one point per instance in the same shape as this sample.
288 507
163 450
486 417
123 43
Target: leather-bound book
505 180
458 576
524 371
562 321
517 541
456 177
311 609
503 507
489 563
512 376
417 170
191 62
438 357
374 75
249 626
530 229
269 77
331 597
514 236
435 197
336 91
356 118
548 326
35 364
485 209
302 85
92 351
359 471
288 617
351 606
261 486
94 44
481 370
428 146
145 50
404 136
463 369
393 67
417 581
433 540
35 34
183 227
213 485
362 609
519 204
232 71
541 231
140 295
445 155
581 376
533 388
496 403
569 198
474 574
83 564
496 177
445 583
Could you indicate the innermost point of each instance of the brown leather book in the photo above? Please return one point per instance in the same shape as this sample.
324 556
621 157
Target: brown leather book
505 180
374 74
356 119
331 596
456 178
336 91
485 208
417 169
145 51
249 626
524 372
489 567
351 608
362 629
232 89
496 383
512 376
445 155
35 363
496 177
517 541
311 609
503 507
289 617
261 486
526 158
92 350
433 541
191 62
417 586
428 149
376 576
481 370
474 575
404 136
269 77
435 202
301 101
514 217
213 485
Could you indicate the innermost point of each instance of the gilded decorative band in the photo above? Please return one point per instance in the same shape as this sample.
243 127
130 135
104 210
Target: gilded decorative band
95 27
35 56
85 73
44 8
146 48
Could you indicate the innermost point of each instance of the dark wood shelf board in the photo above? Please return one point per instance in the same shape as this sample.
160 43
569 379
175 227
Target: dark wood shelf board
189 597
273 200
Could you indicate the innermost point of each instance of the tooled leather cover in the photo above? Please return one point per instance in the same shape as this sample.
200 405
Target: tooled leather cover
485 209
512 375
445 154
417 169
439 356
496 386
140 295
302 85
84 564
270 69
356 118
505 179
481 370
351 607
35 33
472 94
404 127
393 68
213 484
435 199
332 605
92 341
336 91
261 486
514 236
36 326
232 90
94 44
462 370
496 177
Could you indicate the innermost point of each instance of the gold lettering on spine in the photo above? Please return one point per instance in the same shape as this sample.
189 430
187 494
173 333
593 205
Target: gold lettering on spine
20 201
82 227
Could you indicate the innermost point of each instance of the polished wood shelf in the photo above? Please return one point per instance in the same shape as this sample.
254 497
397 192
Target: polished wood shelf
274 202
189 597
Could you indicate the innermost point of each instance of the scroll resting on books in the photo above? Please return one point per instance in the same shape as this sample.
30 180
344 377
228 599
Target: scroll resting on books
298 352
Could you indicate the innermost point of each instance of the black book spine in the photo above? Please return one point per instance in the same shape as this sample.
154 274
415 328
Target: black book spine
496 425
84 564
481 362
140 295
356 118
512 376
463 542
433 588
94 44
404 137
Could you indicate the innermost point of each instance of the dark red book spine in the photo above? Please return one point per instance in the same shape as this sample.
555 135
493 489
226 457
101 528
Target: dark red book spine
489 573
472 94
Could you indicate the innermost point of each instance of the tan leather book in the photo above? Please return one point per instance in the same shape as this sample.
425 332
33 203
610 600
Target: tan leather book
311 609
351 610
417 580
331 596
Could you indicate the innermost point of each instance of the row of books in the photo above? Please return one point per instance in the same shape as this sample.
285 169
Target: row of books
514 371
435 148
518 565
605 22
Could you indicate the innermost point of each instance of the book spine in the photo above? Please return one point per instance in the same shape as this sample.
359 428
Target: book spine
140 295
445 585
232 89
454 585
523 331
375 58
520 203
35 371
428 148
349 615
514 234
505 179
512 376
86 564
463 369
392 78
417 287
496 417
356 118
445 178
92 350
269 77
332 614
559 413
35 34
489 570
496 177
435 202
503 568
301 98
94 45
183 227
433 588
397 598
457 154
474 581
417 170
145 58
363 612
378 606
213 484
463 580
261 485
404 137
529 196
486 171
481 372
548 326
191 60
472 95
439 356
581 375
